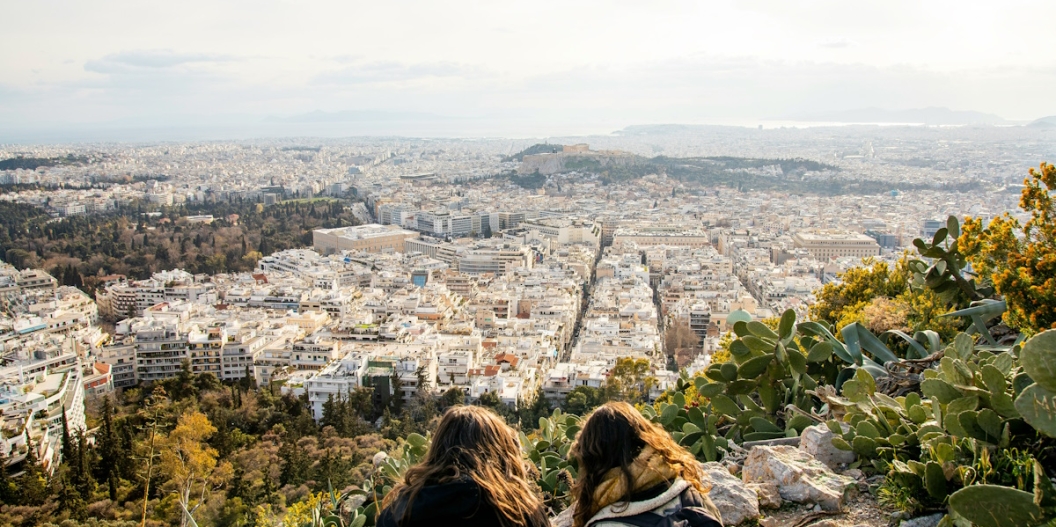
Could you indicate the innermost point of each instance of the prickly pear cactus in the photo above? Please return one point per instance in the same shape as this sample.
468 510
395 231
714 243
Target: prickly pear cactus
995 506
1037 403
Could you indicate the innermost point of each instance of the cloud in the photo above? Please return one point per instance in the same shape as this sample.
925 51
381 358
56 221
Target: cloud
390 72
837 43
146 60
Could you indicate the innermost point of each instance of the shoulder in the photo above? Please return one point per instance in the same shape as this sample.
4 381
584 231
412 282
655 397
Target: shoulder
662 504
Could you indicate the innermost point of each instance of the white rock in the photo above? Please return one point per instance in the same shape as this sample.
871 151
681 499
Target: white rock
817 441
799 477
769 495
736 502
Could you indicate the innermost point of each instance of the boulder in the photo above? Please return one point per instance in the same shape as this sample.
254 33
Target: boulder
817 441
769 495
736 502
798 476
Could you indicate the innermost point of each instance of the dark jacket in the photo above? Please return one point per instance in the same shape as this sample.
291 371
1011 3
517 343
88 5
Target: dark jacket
458 503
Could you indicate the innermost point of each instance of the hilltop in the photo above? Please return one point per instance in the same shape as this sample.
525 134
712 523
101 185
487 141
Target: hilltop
1044 122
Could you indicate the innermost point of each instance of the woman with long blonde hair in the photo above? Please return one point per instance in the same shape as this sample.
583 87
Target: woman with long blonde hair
631 472
473 476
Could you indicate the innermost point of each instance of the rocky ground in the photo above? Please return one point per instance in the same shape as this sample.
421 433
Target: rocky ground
862 510
803 484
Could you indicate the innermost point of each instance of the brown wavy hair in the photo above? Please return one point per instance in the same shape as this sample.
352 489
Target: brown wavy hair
612 437
473 442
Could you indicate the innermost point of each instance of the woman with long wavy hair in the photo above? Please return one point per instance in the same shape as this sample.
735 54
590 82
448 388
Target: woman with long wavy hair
473 476
631 472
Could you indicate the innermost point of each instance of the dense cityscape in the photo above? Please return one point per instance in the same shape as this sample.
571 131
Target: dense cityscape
523 275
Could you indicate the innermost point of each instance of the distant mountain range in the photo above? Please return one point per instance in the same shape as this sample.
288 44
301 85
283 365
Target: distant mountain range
357 116
1044 122
933 116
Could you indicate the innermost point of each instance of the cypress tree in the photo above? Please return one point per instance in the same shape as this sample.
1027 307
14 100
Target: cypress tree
83 480
329 411
107 444
7 490
69 500
67 444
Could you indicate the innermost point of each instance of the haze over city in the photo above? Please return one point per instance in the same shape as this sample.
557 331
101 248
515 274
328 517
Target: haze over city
222 69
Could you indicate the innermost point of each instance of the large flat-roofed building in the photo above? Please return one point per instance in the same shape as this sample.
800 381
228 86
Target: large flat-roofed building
372 238
493 260
661 235
834 244
565 231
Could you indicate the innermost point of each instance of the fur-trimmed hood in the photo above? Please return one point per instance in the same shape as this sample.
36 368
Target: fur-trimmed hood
663 504
648 470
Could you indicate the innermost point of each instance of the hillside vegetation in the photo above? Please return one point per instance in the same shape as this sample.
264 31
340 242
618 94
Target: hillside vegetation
33 163
131 242
540 148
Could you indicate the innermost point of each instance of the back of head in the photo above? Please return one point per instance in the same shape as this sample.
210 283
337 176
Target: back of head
472 442
611 438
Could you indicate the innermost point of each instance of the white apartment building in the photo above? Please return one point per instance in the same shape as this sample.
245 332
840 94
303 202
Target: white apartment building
121 299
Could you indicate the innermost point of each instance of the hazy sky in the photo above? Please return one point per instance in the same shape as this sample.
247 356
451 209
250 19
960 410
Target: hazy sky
68 63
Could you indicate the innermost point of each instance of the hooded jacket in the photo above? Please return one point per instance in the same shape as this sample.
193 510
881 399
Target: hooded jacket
655 488
457 503
662 501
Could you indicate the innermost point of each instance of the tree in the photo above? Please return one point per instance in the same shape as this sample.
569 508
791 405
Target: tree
151 416
67 443
453 397
82 475
528 413
396 401
679 335
295 463
629 380
70 500
8 491
191 464
33 483
583 399
491 400
106 441
1020 261
856 288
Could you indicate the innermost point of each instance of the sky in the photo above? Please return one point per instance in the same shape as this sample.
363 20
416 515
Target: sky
487 67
